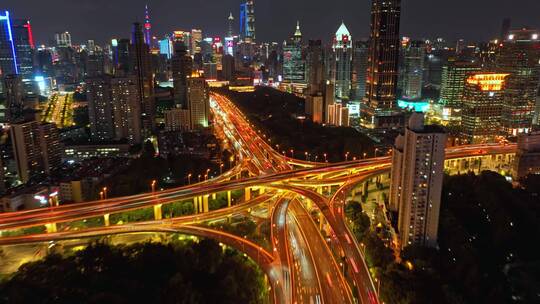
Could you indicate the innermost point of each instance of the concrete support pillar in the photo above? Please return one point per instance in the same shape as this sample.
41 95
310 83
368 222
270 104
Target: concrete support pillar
229 203
321 221
157 212
51 228
205 203
319 190
353 192
195 205
261 190
106 220
201 210
214 196
247 194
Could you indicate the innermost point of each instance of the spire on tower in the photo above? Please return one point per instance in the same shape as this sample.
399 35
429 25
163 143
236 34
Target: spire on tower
147 26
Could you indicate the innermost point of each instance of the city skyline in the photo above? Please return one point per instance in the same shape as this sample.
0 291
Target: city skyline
478 22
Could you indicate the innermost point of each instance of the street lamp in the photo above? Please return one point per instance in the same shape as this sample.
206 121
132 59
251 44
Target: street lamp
206 177
375 153
189 179
199 178
325 158
306 154
365 154
221 169
153 185
105 192
347 156
101 195
292 153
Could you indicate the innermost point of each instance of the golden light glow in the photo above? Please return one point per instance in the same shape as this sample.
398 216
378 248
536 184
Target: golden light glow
488 82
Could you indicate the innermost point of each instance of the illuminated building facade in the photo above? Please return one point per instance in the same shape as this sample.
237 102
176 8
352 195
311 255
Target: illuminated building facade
294 65
63 39
527 159
100 110
416 182
482 107
247 21
230 25
341 69
8 56
12 106
36 148
24 47
126 110
413 57
182 66
454 77
382 72
519 56
359 69
141 68
198 102
196 39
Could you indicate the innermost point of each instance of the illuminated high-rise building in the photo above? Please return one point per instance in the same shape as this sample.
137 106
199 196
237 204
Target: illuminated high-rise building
230 23
182 66
196 38
8 55
100 110
382 73
519 56
482 107
315 67
247 21
141 68
341 64
63 39
359 69
413 59
416 183
198 102
294 65
126 110
454 76
147 27
24 47
36 148
11 106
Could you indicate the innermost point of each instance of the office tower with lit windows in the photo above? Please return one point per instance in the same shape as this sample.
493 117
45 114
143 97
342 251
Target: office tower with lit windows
126 110
519 57
382 73
24 47
63 39
141 68
413 60
454 77
36 148
482 107
294 65
341 64
247 21
121 57
8 54
416 182
13 93
182 66
198 102
100 110
228 68
359 69
196 38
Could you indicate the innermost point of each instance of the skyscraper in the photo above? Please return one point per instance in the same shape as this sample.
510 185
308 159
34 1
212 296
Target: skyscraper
126 110
247 21
63 39
24 47
294 65
196 38
416 184
122 58
100 110
182 66
382 72
454 76
315 66
198 102
341 68
519 57
414 66
36 148
140 66
482 107
359 69
230 25
8 56
12 106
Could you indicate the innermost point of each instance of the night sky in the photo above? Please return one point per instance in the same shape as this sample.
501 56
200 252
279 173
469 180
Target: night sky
275 19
